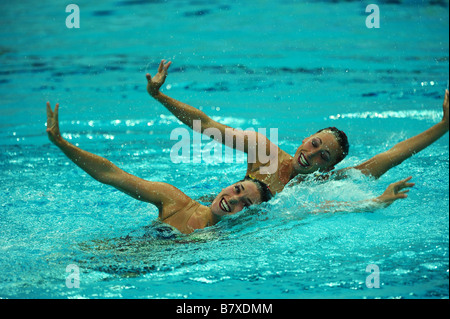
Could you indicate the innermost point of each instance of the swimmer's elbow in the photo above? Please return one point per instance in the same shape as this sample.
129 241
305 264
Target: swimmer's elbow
381 163
111 175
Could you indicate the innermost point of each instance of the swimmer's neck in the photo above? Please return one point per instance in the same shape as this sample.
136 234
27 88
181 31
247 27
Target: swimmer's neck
286 171
214 218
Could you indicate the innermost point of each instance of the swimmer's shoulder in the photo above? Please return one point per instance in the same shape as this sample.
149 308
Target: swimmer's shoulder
280 157
200 218
178 202
191 216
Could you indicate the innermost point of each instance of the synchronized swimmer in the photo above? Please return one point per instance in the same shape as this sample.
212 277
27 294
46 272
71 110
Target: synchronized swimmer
319 152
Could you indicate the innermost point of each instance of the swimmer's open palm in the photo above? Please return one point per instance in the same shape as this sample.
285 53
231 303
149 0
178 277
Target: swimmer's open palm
155 83
395 191
53 124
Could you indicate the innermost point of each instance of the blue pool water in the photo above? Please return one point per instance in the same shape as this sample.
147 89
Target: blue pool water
296 66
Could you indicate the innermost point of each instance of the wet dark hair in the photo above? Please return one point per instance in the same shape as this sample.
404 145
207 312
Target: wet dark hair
342 139
263 189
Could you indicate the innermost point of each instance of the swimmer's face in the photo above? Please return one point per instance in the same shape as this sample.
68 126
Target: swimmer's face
235 198
319 152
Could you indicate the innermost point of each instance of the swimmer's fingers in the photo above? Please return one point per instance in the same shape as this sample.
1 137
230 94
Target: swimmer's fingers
56 115
404 183
53 122
445 107
155 83
52 116
402 194
161 66
49 111
164 68
398 186
396 191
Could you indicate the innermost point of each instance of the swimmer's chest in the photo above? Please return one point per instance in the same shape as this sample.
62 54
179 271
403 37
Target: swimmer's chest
190 218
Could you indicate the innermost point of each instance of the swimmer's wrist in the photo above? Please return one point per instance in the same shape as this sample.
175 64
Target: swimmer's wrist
156 95
442 126
59 141
381 200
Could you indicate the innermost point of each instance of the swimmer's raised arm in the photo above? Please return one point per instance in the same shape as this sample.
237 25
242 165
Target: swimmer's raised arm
184 112
381 163
166 197
187 114
392 193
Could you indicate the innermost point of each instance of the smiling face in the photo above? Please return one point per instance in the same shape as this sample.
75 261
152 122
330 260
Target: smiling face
235 198
319 152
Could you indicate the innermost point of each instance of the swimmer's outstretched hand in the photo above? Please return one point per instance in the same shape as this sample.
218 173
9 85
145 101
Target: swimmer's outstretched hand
53 124
155 83
395 191
445 107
